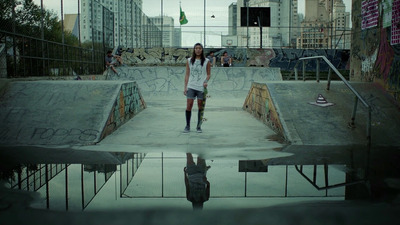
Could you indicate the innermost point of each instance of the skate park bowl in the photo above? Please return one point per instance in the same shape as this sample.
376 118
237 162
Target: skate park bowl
113 151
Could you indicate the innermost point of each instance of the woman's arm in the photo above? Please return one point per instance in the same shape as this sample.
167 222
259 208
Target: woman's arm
208 74
186 77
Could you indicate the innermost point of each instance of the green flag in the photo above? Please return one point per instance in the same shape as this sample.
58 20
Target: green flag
182 18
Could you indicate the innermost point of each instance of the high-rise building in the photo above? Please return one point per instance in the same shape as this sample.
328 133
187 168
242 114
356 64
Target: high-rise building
71 24
114 22
315 26
232 20
167 30
177 38
284 24
341 26
326 25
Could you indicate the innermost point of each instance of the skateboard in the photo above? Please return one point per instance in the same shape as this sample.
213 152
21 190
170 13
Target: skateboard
203 105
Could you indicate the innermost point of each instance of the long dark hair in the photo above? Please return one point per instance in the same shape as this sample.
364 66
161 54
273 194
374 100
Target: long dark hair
194 54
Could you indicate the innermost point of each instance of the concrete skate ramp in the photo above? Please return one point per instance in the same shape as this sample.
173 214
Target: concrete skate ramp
285 107
63 113
170 80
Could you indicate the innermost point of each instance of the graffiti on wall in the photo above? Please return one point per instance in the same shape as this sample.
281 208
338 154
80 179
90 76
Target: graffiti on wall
387 64
129 102
242 57
163 80
385 57
259 103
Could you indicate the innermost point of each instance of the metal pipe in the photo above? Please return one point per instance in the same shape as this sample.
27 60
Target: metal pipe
304 70
329 79
369 126
66 188
340 76
204 44
353 115
357 95
47 187
82 188
286 181
162 23
245 184
326 178
317 70
247 37
162 174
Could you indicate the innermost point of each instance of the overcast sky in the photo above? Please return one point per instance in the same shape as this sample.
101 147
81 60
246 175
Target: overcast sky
194 10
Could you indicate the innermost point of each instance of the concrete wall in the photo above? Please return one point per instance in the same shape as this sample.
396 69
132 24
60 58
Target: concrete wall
259 103
373 57
242 57
170 80
63 113
128 103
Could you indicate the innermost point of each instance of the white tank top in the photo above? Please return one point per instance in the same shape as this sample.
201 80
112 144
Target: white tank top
198 74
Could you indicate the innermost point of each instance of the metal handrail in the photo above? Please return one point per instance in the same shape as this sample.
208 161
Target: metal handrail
357 95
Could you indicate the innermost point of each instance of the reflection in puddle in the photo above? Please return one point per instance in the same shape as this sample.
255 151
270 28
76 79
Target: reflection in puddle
69 185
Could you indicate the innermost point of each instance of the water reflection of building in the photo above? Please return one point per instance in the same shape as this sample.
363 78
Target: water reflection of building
58 184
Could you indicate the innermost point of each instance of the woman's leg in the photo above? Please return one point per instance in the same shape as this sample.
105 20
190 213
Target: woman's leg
200 106
189 106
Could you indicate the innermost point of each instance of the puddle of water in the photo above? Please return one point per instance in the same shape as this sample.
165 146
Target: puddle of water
88 180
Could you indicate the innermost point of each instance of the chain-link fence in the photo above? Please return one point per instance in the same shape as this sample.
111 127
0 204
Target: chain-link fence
56 37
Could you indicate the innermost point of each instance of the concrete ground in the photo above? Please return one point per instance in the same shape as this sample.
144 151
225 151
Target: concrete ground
156 193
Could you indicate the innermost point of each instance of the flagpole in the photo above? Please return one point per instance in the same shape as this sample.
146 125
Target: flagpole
204 24
180 25
162 23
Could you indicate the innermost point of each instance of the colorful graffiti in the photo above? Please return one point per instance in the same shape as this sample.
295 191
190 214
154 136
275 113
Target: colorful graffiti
128 103
373 57
259 103
387 65
285 59
385 57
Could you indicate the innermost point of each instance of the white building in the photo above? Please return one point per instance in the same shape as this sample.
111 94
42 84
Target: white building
341 26
326 25
168 30
119 19
284 28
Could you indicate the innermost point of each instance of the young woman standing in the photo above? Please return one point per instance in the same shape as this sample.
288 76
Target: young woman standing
198 72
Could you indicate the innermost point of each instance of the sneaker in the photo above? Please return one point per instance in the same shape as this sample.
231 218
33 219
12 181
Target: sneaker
186 130
199 130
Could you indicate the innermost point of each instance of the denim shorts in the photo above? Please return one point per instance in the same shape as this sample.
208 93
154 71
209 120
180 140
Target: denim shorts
192 94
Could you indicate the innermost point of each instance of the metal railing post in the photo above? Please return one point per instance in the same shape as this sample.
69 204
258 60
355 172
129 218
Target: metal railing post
358 97
296 74
329 79
369 126
353 115
317 70
304 70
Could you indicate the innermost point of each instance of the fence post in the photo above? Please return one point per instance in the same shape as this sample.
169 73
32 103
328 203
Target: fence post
3 61
329 79
13 38
353 116
317 70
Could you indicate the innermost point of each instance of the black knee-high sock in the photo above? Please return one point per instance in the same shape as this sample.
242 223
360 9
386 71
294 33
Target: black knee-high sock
198 118
188 116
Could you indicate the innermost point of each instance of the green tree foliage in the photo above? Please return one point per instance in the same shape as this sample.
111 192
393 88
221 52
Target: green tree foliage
28 21
30 55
